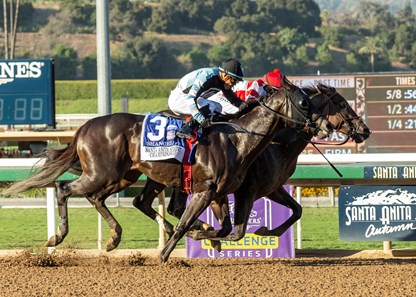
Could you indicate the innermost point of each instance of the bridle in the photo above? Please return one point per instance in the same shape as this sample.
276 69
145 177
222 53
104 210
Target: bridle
345 116
306 120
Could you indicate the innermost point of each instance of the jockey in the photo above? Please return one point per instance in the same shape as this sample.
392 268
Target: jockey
191 97
252 89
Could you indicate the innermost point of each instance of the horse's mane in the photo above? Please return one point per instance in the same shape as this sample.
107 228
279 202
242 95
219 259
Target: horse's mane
311 90
324 88
319 88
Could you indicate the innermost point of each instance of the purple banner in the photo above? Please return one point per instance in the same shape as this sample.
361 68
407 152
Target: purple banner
264 213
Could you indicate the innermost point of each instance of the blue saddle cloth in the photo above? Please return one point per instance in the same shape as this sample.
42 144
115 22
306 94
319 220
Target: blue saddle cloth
159 140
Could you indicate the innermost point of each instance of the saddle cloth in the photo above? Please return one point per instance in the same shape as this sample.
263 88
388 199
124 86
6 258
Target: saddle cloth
159 142
158 138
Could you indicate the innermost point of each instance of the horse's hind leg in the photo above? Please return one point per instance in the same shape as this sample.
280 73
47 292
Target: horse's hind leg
282 197
199 202
144 201
63 192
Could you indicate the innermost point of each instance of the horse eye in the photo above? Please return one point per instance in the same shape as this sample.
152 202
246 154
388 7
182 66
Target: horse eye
303 103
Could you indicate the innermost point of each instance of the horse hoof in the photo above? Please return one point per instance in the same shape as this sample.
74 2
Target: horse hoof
216 245
192 234
262 231
112 243
110 246
53 241
163 259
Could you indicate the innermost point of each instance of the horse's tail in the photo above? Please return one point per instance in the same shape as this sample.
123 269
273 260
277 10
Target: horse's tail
58 161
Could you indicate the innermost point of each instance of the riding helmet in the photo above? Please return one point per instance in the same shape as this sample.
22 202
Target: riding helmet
273 78
233 67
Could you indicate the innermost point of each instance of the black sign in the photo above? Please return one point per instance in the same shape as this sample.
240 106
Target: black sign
377 213
386 102
27 94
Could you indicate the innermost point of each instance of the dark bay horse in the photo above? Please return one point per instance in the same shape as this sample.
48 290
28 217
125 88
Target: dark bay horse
107 149
274 166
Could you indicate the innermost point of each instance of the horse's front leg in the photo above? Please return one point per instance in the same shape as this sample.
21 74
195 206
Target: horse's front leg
220 209
282 197
197 205
244 199
176 208
63 192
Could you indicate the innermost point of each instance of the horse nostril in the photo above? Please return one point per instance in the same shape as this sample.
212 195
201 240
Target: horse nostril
330 127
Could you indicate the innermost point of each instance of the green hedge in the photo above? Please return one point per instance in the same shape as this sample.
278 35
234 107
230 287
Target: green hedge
135 89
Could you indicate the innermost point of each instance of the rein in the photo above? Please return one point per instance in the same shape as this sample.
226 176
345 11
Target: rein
306 123
329 162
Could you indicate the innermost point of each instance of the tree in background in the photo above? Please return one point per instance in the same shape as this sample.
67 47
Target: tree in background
127 19
10 20
374 18
89 67
164 18
303 15
144 58
329 31
402 47
65 62
324 57
372 48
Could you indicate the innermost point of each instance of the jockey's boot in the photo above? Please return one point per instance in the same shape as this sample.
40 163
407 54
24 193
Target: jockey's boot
188 130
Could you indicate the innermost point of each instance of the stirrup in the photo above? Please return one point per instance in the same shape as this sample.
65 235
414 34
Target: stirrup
181 134
186 132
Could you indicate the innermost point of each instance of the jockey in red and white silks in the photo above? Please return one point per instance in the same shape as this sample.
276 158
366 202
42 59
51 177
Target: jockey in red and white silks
249 89
252 89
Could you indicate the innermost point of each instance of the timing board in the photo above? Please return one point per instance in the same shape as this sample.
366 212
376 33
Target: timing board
387 104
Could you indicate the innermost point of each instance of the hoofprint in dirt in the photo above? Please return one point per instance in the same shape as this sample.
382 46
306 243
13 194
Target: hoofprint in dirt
75 273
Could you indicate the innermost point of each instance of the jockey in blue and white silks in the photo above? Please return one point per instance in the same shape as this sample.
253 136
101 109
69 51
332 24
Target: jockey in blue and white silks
210 87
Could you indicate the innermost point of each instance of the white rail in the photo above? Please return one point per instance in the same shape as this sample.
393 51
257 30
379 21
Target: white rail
303 159
306 159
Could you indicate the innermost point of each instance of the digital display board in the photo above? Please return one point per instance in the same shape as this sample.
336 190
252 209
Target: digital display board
27 92
387 104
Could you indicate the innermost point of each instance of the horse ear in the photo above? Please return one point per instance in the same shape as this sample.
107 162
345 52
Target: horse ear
285 82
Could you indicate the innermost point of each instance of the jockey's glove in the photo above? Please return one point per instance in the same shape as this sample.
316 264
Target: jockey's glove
247 104
205 123
199 117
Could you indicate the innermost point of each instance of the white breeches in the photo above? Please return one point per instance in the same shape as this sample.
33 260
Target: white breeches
181 103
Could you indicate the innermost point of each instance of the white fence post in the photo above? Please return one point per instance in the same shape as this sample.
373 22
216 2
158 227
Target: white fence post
299 223
331 195
161 210
50 217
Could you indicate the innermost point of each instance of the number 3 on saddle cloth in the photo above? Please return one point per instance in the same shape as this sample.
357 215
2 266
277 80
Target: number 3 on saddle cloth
159 142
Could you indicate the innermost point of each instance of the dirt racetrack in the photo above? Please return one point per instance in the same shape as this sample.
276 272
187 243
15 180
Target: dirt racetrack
134 273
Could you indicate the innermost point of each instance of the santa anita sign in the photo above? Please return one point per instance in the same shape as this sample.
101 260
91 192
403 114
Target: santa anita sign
377 213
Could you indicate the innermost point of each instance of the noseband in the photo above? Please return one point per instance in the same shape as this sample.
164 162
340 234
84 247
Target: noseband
346 117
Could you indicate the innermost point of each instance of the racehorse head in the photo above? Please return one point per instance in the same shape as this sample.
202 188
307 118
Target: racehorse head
300 111
342 116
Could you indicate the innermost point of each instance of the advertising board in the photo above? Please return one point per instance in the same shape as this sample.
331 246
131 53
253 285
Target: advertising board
377 213
264 213
27 94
